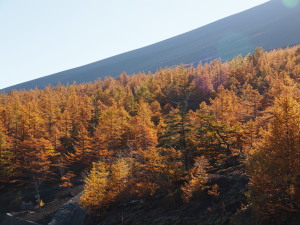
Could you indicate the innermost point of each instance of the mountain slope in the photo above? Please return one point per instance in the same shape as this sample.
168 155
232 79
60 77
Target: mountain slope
271 25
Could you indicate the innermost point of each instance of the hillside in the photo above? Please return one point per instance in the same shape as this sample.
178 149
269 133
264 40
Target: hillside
271 25
209 144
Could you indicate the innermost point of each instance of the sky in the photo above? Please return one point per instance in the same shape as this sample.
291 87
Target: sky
42 37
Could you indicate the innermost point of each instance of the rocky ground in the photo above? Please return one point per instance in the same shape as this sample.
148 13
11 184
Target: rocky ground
159 209
170 210
229 207
12 201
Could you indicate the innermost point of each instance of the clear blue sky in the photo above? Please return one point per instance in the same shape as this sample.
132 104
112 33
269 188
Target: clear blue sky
42 37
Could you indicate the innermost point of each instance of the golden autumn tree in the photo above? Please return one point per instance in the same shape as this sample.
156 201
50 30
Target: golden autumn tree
197 180
129 101
109 118
250 101
6 166
112 132
274 167
213 138
96 186
156 168
156 113
50 111
84 154
145 132
120 176
226 106
37 160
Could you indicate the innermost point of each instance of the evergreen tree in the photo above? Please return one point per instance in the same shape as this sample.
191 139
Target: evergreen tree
176 131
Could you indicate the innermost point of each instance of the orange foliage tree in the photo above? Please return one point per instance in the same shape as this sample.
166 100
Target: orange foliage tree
274 167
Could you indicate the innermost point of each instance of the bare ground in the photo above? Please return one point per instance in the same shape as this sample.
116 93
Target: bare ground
53 197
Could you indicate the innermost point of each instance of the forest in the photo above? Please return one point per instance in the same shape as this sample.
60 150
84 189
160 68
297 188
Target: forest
163 132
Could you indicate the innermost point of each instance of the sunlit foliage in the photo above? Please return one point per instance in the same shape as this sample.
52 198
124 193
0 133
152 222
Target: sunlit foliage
162 132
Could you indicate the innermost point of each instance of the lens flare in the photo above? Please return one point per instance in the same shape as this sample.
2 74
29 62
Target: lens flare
290 3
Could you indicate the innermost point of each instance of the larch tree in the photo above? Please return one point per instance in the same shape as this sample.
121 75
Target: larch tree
251 101
120 176
226 106
130 104
203 84
177 122
156 112
6 165
84 154
274 167
37 161
213 138
50 111
198 179
176 132
145 133
112 132
95 188
156 168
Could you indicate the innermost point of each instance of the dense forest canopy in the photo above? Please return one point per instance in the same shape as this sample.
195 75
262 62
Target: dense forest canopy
165 131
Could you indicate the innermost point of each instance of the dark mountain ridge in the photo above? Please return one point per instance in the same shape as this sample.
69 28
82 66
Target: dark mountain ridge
270 25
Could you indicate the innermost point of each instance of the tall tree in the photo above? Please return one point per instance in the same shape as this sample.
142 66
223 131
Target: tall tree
213 138
84 154
95 188
250 101
274 167
198 179
112 132
226 106
37 161
145 134
176 132
6 165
